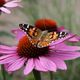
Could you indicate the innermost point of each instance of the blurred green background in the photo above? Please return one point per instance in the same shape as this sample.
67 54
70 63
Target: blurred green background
65 12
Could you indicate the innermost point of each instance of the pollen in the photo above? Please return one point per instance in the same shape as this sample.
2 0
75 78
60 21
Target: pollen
27 49
46 24
2 2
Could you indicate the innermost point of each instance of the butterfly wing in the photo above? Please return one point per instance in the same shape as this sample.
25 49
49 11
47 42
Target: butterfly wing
49 37
32 32
40 38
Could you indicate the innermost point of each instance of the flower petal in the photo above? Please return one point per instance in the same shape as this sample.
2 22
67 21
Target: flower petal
16 1
29 66
38 65
7 58
6 52
47 64
64 47
17 64
11 4
61 28
66 55
18 33
59 63
74 39
5 10
4 47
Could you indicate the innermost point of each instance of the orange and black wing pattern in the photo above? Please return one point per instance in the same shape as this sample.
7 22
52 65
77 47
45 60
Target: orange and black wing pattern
40 38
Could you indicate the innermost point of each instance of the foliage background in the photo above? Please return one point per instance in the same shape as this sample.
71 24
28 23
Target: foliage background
65 12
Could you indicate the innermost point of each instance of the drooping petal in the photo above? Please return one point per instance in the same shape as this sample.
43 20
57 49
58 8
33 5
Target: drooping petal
66 55
74 39
17 64
4 47
64 47
29 66
5 10
8 58
48 64
38 65
6 52
59 63
18 33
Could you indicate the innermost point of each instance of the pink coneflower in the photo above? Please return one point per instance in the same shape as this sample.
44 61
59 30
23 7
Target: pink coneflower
6 4
50 58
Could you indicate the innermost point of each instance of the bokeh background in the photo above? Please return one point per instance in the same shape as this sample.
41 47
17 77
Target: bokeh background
64 12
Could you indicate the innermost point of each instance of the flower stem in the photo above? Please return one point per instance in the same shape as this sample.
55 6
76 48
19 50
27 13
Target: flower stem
51 75
3 72
5 75
37 75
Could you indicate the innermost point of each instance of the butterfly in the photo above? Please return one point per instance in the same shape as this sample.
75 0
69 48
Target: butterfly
41 38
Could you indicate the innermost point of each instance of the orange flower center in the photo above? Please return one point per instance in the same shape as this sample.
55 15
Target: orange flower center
2 2
46 24
26 49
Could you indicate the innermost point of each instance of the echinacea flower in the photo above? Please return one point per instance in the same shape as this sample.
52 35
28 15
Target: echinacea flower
5 5
50 58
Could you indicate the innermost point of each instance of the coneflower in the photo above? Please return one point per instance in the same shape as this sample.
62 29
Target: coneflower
26 55
5 5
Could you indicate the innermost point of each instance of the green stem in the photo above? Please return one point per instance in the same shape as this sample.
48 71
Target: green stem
51 75
37 75
3 72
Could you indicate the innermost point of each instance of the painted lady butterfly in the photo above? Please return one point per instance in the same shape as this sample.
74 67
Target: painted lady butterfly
41 38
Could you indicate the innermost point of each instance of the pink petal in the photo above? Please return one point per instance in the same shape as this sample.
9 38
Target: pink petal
29 66
5 10
38 65
59 63
6 52
48 64
4 47
7 59
61 28
11 4
17 64
18 33
16 1
64 55
62 40
74 39
64 47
